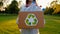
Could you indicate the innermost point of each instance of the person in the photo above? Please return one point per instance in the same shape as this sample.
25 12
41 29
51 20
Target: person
30 5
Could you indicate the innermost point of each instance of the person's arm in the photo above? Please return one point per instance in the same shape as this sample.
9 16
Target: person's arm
18 14
42 13
17 20
43 16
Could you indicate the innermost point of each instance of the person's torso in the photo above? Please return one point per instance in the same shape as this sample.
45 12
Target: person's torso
32 7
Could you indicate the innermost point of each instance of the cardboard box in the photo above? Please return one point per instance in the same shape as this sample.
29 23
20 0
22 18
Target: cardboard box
30 19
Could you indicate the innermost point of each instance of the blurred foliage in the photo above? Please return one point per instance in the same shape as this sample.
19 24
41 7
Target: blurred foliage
56 9
1 3
55 6
12 8
49 10
53 9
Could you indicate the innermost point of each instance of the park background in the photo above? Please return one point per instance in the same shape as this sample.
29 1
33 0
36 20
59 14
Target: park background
9 11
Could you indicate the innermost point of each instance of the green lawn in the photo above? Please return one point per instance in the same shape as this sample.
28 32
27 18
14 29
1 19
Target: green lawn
8 25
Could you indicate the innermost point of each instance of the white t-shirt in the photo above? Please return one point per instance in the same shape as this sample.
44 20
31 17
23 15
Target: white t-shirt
32 7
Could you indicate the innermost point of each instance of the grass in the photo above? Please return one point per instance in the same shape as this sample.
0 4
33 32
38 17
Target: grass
8 25
52 25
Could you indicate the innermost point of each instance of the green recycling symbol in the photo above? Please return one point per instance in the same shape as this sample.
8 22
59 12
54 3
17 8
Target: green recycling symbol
31 20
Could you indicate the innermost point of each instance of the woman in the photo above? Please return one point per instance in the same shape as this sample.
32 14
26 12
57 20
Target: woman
30 6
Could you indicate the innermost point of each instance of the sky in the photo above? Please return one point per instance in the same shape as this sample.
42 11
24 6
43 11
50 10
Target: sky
43 3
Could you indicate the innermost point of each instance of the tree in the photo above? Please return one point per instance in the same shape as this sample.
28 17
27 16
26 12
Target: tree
1 4
13 7
55 6
56 9
49 11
